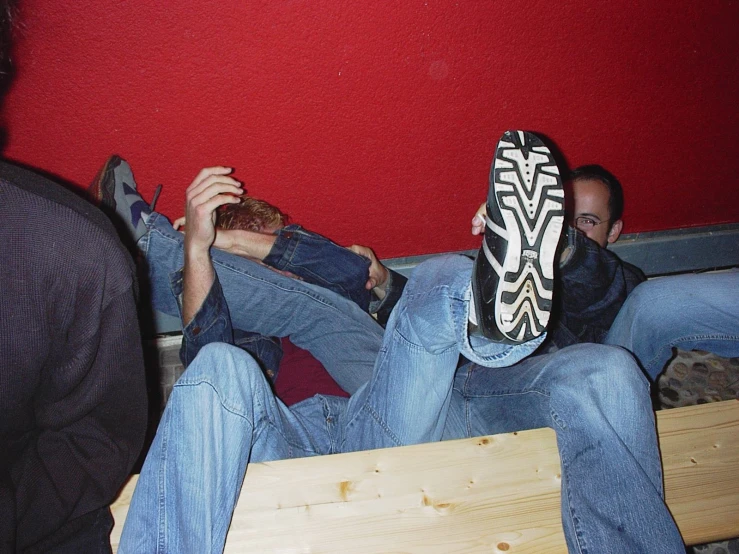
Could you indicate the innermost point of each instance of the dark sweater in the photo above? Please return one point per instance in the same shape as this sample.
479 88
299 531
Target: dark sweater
72 387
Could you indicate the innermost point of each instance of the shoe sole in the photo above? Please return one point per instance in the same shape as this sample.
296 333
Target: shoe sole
102 191
525 217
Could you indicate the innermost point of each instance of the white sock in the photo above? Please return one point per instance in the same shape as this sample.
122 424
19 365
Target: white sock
472 318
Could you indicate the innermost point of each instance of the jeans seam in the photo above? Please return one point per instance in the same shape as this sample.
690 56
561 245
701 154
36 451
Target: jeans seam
162 493
254 422
578 537
305 292
496 393
690 338
226 405
381 422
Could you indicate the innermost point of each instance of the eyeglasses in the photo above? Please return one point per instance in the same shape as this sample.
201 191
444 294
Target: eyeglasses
587 223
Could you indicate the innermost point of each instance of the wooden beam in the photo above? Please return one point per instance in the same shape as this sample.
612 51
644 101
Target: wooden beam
488 494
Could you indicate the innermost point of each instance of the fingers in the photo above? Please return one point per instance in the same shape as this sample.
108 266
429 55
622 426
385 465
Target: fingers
378 273
206 172
478 222
213 187
179 222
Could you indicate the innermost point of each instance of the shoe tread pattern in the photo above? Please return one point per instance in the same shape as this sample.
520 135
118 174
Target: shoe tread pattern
525 213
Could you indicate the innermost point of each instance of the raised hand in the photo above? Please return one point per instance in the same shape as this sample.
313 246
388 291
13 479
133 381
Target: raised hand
213 187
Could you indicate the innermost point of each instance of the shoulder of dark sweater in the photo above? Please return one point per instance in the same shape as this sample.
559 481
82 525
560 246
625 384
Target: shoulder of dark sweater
51 212
40 186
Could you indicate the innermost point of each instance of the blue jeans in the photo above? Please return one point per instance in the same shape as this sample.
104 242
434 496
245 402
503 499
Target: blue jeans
261 300
597 401
222 414
684 311
601 411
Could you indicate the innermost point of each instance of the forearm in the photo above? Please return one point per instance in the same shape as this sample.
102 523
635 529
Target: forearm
319 261
198 277
246 244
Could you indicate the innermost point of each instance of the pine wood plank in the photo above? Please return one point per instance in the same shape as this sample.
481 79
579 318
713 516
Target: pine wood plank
488 494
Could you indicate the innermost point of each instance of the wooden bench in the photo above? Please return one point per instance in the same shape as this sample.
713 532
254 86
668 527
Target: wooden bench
495 494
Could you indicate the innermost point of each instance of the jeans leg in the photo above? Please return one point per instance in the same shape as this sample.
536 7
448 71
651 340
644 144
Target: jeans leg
597 401
685 311
406 400
336 331
221 414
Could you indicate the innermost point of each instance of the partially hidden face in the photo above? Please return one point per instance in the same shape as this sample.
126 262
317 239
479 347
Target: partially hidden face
591 214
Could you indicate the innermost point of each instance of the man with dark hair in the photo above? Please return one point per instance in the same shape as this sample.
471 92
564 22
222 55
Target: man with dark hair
599 203
593 281
72 389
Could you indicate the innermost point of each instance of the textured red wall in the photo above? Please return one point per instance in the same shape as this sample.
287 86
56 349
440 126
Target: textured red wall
375 122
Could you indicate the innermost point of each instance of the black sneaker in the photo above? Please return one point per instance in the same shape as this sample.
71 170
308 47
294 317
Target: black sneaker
513 276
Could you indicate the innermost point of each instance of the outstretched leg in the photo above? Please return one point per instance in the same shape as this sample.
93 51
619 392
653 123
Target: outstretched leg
684 311
407 399
336 331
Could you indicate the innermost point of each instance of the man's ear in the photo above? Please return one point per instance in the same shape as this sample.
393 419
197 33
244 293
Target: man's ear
615 231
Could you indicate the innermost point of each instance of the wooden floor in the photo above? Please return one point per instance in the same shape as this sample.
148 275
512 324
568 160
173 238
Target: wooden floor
488 494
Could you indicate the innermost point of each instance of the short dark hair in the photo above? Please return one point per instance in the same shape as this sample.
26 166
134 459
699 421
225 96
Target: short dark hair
615 192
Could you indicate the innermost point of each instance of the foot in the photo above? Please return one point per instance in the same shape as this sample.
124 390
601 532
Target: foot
513 275
114 192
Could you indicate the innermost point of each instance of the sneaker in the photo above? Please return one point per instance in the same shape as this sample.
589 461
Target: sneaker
114 191
513 275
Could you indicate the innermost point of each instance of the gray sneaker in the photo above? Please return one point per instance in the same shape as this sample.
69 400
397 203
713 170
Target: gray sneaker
114 191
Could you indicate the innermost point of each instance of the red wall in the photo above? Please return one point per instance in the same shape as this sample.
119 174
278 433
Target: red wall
375 122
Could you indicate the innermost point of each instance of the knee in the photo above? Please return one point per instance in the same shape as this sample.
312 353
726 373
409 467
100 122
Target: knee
650 302
439 270
607 373
223 365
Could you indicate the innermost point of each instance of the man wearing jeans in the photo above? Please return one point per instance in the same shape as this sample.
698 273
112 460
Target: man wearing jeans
222 414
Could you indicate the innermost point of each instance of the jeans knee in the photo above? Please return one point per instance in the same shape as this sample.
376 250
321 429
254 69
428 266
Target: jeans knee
649 304
605 372
224 366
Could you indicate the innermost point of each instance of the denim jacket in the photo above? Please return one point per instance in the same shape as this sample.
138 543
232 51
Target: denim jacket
594 284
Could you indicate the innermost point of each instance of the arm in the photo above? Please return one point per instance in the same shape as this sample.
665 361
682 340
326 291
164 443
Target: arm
211 188
90 421
204 313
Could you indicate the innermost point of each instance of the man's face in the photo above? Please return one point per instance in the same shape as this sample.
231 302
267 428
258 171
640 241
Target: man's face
591 214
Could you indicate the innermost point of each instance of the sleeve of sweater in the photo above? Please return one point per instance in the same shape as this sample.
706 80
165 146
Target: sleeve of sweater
90 412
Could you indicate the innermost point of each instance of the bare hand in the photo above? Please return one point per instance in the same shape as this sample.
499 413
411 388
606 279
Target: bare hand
210 189
378 273
478 222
